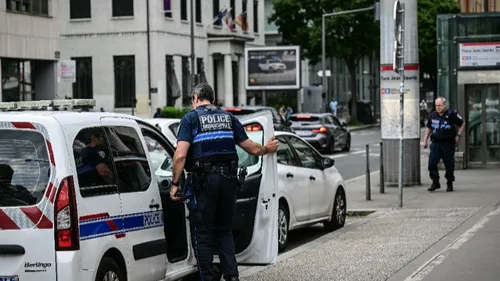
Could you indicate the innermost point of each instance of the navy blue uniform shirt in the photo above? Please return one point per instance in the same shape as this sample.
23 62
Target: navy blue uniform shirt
91 157
443 127
188 128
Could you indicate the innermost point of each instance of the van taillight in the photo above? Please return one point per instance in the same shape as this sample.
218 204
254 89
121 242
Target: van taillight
65 217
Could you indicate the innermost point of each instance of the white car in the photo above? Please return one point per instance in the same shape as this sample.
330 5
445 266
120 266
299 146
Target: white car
310 188
272 66
168 126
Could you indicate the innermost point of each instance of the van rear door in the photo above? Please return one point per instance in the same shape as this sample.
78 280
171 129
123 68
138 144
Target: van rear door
27 173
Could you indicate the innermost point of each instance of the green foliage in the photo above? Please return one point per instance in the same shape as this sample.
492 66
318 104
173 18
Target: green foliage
349 36
172 112
427 37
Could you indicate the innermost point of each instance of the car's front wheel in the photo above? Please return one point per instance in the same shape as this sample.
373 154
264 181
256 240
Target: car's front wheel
347 145
339 213
283 222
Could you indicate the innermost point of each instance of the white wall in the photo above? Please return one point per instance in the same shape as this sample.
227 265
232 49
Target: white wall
28 36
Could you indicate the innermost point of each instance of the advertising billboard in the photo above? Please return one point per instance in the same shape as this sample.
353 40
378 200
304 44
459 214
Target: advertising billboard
272 68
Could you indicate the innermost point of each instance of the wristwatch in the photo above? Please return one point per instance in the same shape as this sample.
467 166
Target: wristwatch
175 183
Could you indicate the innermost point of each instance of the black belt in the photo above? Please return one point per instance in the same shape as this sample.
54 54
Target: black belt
215 169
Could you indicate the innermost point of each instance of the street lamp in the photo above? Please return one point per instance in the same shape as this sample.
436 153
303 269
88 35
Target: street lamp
323 39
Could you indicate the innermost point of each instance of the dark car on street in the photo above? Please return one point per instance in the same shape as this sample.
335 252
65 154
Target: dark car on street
279 123
322 130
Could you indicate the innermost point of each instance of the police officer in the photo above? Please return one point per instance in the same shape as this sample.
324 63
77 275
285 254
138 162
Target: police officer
206 148
94 170
441 129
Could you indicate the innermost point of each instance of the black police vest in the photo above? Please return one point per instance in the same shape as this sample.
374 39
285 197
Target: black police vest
214 139
443 129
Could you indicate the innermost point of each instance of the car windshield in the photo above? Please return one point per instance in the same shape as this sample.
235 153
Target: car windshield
24 168
304 119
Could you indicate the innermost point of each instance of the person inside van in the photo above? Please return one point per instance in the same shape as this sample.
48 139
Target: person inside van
94 170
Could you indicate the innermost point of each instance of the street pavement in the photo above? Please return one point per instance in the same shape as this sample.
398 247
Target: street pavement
435 236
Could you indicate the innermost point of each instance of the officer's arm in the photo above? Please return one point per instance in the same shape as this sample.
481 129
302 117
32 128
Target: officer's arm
241 138
184 140
460 122
429 128
102 168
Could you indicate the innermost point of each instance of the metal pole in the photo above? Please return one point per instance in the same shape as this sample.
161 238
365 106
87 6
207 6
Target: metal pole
368 191
401 108
148 36
323 54
382 183
193 82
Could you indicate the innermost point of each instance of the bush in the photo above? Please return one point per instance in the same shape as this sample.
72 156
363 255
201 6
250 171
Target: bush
177 113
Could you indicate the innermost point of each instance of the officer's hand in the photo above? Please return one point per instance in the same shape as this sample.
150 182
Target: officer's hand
425 144
272 145
457 139
175 193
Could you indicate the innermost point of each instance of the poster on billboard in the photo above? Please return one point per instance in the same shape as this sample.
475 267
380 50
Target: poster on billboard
272 68
479 54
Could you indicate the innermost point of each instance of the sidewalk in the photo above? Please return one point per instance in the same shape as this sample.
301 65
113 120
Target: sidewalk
472 188
392 242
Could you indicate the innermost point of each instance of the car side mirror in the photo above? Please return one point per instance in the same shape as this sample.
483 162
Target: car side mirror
328 162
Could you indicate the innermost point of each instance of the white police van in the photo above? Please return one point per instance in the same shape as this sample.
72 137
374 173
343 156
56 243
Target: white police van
54 227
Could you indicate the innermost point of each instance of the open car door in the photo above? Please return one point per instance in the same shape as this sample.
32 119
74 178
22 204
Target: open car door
255 223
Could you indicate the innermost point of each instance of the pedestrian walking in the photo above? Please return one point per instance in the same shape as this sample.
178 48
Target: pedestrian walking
206 148
158 113
441 127
333 107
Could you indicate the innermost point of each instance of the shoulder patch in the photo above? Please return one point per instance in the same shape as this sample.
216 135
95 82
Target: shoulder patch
459 117
102 154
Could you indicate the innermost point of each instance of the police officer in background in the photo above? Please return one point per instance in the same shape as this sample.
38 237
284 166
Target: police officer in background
206 148
444 137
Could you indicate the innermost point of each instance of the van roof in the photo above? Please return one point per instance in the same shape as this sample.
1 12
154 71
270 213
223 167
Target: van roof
64 114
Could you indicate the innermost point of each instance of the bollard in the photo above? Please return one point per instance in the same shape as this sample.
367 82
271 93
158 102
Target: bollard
368 192
382 185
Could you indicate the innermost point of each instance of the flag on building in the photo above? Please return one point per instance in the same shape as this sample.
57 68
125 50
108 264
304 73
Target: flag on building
242 21
220 15
167 6
230 23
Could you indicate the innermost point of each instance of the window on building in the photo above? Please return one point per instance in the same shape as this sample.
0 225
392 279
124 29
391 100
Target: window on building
167 8
256 16
82 88
184 10
33 7
124 68
79 9
185 77
216 10
198 11
123 8
232 13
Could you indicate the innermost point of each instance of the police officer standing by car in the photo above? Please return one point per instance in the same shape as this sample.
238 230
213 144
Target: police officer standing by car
441 129
206 148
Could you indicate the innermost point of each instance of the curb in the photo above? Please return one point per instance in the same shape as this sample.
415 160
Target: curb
363 127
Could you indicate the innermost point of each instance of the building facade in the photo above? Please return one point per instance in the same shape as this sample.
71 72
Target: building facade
29 49
479 6
126 50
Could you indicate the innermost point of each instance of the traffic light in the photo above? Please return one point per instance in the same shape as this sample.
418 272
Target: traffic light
399 37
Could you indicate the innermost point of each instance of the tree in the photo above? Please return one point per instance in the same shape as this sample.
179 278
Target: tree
349 37
427 37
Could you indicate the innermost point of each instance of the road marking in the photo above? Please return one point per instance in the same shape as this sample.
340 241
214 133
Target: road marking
358 152
428 266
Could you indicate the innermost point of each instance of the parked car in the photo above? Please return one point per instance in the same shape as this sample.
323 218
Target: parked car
272 65
279 123
310 188
322 130
168 126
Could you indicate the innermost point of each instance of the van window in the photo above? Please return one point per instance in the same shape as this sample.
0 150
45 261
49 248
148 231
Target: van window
251 162
129 157
92 155
24 167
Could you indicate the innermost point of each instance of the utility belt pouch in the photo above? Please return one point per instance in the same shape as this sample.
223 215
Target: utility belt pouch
188 194
242 174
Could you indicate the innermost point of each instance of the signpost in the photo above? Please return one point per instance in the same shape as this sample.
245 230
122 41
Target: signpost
398 64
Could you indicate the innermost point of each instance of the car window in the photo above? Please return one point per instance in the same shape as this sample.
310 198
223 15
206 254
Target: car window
285 154
174 128
307 156
252 163
24 167
329 120
90 150
305 119
131 162
336 121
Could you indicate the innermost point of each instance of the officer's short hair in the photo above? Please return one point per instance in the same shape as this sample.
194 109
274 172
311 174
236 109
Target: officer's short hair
91 132
204 92
442 99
